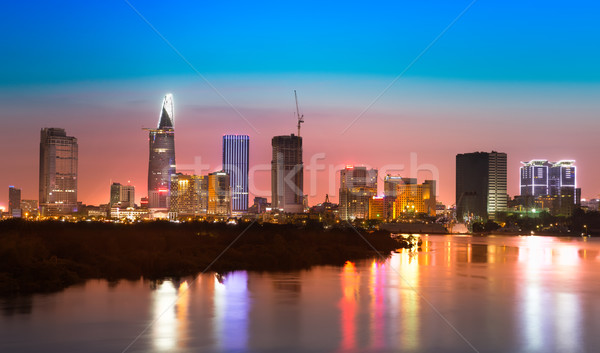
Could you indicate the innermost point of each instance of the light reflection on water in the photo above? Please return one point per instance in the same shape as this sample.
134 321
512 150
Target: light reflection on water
522 294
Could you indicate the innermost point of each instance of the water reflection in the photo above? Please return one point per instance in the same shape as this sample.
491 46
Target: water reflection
231 305
170 312
348 306
505 294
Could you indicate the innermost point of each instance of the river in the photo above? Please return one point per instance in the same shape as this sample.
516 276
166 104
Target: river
459 294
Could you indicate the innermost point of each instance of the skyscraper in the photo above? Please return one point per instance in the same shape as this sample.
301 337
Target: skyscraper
481 190
58 172
357 186
162 157
287 174
236 151
219 194
14 199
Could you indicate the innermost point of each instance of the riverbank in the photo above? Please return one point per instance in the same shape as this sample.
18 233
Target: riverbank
49 256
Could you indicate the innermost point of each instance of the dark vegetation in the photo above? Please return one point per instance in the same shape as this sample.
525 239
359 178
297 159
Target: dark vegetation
49 256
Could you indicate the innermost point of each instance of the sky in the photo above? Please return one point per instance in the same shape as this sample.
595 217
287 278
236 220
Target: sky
400 86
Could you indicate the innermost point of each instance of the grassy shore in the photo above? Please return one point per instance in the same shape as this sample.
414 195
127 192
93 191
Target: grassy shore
49 256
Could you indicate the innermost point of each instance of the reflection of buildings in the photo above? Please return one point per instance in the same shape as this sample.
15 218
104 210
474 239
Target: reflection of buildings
287 174
231 308
236 151
349 306
161 163
357 186
170 313
481 191
58 172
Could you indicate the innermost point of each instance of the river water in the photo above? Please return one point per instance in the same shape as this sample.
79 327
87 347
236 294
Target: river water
459 294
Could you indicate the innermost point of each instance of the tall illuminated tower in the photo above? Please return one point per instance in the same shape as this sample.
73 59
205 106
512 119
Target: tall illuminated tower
58 172
236 151
162 157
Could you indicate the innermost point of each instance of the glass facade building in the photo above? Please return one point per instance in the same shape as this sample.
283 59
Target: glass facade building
161 164
58 172
236 155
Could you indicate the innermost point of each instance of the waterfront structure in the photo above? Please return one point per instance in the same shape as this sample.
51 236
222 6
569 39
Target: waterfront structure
14 201
58 172
122 195
236 155
481 190
357 186
219 194
189 195
287 174
161 163
412 198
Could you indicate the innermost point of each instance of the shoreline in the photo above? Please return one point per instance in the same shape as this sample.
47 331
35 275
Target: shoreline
45 257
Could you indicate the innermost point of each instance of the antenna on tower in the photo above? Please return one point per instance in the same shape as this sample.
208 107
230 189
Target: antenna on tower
300 117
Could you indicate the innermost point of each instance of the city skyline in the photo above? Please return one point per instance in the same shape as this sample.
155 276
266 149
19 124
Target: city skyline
476 89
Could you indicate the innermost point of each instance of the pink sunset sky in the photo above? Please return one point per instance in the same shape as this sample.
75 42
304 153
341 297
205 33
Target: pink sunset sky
430 120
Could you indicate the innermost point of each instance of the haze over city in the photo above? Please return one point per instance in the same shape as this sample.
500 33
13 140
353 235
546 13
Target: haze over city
522 81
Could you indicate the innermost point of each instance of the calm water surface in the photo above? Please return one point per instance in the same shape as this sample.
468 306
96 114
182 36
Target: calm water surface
460 294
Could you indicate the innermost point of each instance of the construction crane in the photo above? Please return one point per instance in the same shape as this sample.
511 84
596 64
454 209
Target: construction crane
300 117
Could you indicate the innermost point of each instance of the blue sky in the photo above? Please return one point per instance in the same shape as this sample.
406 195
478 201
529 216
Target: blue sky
49 42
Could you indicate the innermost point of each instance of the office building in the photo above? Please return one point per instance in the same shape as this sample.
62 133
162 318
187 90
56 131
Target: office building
287 174
236 154
413 199
481 190
219 194
357 186
550 186
162 157
122 196
540 177
377 208
14 201
58 172
189 195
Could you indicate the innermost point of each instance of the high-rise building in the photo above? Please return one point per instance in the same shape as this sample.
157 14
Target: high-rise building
357 186
287 174
58 172
550 185
189 195
541 178
219 194
481 190
14 199
122 195
162 157
236 154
